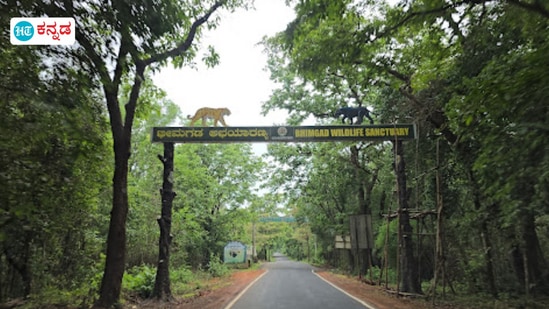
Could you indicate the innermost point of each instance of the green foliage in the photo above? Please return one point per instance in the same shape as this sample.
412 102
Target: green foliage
213 183
384 275
53 297
139 280
216 267
478 83
185 281
295 249
181 275
117 43
389 243
52 178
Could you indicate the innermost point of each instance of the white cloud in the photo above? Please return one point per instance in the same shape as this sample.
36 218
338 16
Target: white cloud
239 82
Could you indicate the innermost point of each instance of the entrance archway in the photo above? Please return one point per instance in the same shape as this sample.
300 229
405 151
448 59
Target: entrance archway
286 134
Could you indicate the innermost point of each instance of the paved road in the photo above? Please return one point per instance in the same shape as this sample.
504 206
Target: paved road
293 285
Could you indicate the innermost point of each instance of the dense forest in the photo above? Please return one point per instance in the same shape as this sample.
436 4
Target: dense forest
471 215
461 211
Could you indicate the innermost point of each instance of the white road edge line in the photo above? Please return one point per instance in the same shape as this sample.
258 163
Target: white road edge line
365 304
231 304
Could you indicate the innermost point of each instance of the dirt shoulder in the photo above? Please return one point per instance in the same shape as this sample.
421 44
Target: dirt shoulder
219 298
372 295
217 293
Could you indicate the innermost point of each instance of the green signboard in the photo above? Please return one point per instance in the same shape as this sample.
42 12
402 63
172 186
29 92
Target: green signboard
277 219
235 252
380 132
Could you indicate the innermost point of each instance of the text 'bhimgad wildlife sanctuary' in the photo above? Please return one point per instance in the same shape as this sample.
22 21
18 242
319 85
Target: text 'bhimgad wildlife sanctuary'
379 132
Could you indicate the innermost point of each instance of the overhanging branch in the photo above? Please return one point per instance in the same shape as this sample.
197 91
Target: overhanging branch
412 15
186 44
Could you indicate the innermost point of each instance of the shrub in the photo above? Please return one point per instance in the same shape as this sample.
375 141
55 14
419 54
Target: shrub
216 267
181 275
140 280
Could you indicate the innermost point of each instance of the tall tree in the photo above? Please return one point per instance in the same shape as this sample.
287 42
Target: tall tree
117 40
433 62
481 53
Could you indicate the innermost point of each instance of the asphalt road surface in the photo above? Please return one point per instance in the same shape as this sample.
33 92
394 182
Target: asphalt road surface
293 285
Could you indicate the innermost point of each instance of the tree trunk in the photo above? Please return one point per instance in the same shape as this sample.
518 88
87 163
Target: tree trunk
363 254
162 289
111 283
409 279
535 274
440 258
116 239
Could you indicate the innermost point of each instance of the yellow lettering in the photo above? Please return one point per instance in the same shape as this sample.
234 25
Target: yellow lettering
263 133
223 133
175 133
376 132
303 133
351 132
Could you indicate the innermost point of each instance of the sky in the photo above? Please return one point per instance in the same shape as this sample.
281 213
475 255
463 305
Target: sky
240 81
